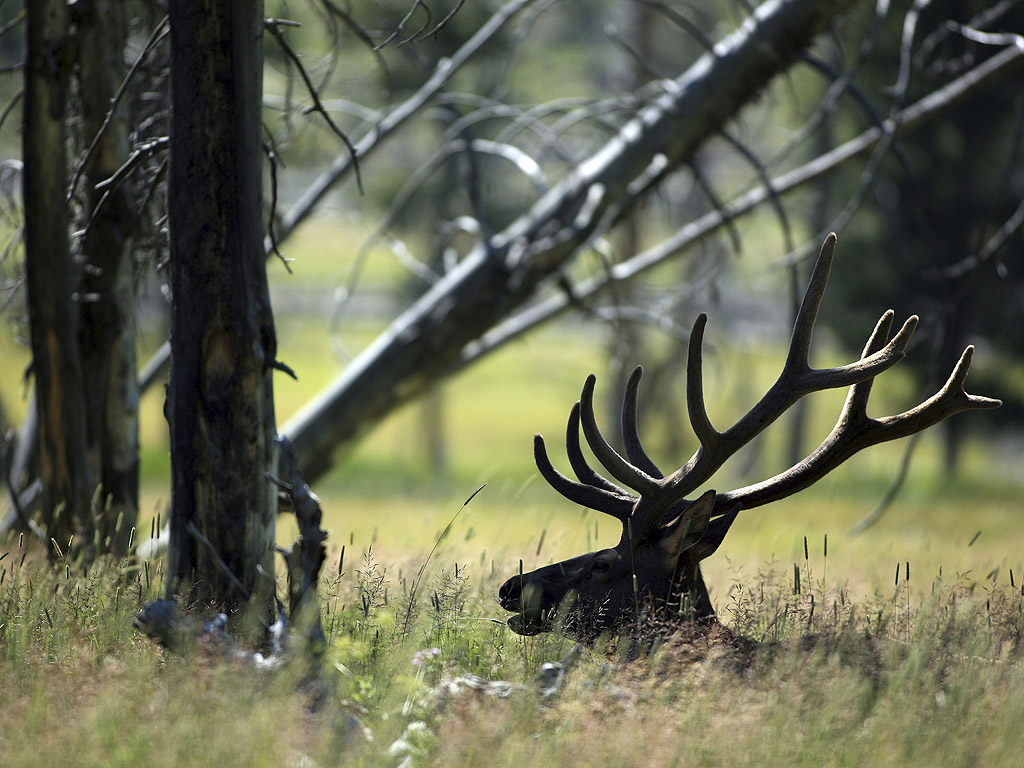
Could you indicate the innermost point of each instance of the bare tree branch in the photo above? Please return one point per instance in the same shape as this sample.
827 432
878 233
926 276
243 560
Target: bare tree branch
274 27
107 186
9 107
156 37
697 231
272 158
417 4
444 22
428 339
991 246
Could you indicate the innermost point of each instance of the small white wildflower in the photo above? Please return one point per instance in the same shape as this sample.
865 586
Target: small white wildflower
421 658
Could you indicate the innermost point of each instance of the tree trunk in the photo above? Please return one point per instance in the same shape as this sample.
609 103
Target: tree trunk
51 275
107 330
223 347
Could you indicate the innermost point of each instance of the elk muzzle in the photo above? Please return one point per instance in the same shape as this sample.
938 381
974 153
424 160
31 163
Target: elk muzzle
559 597
526 599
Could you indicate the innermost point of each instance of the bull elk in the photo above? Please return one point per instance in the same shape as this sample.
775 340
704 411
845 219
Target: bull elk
654 570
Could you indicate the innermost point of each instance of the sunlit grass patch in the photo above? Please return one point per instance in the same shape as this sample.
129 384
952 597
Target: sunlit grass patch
816 676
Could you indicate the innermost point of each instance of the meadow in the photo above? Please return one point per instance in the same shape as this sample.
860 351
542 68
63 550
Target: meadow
898 646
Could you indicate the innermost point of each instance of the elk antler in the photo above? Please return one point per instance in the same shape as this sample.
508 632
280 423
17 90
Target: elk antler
855 430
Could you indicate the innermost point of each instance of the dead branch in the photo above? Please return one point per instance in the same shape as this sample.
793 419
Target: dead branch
697 231
427 341
272 158
306 557
159 33
273 26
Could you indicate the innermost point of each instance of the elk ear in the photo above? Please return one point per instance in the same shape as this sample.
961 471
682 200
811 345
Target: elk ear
714 534
689 528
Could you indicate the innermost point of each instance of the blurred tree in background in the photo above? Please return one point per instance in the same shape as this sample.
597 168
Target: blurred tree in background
51 279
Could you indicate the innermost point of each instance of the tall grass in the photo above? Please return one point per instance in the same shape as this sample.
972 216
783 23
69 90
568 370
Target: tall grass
804 674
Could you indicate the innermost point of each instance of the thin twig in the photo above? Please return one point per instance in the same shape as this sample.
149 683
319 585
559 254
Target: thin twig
401 25
158 34
894 488
109 185
18 19
989 38
991 246
362 33
766 181
274 27
11 105
692 28
444 22
716 203
271 153
980 21
154 185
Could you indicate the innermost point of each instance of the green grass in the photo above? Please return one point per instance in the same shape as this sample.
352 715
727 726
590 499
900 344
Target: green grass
911 674
917 673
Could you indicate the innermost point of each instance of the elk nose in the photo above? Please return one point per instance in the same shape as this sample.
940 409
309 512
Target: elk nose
510 594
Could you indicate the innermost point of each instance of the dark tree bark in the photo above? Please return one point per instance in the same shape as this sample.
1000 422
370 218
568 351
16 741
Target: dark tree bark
107 330
51 275
223 346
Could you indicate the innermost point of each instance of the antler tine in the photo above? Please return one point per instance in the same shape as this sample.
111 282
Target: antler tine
626 473
952 398
597 499
797 373
695 407
807 314
713 451
855 430
814 380
630 435
584 472
857 400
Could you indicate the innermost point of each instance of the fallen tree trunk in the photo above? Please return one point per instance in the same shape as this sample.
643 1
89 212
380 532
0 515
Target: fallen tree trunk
425 343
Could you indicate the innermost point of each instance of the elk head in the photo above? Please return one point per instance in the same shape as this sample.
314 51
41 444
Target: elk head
655 567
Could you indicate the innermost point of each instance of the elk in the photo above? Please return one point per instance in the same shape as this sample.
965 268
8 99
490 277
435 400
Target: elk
654 570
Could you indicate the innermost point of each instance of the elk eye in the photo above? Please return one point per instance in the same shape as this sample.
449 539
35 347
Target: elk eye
601 566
